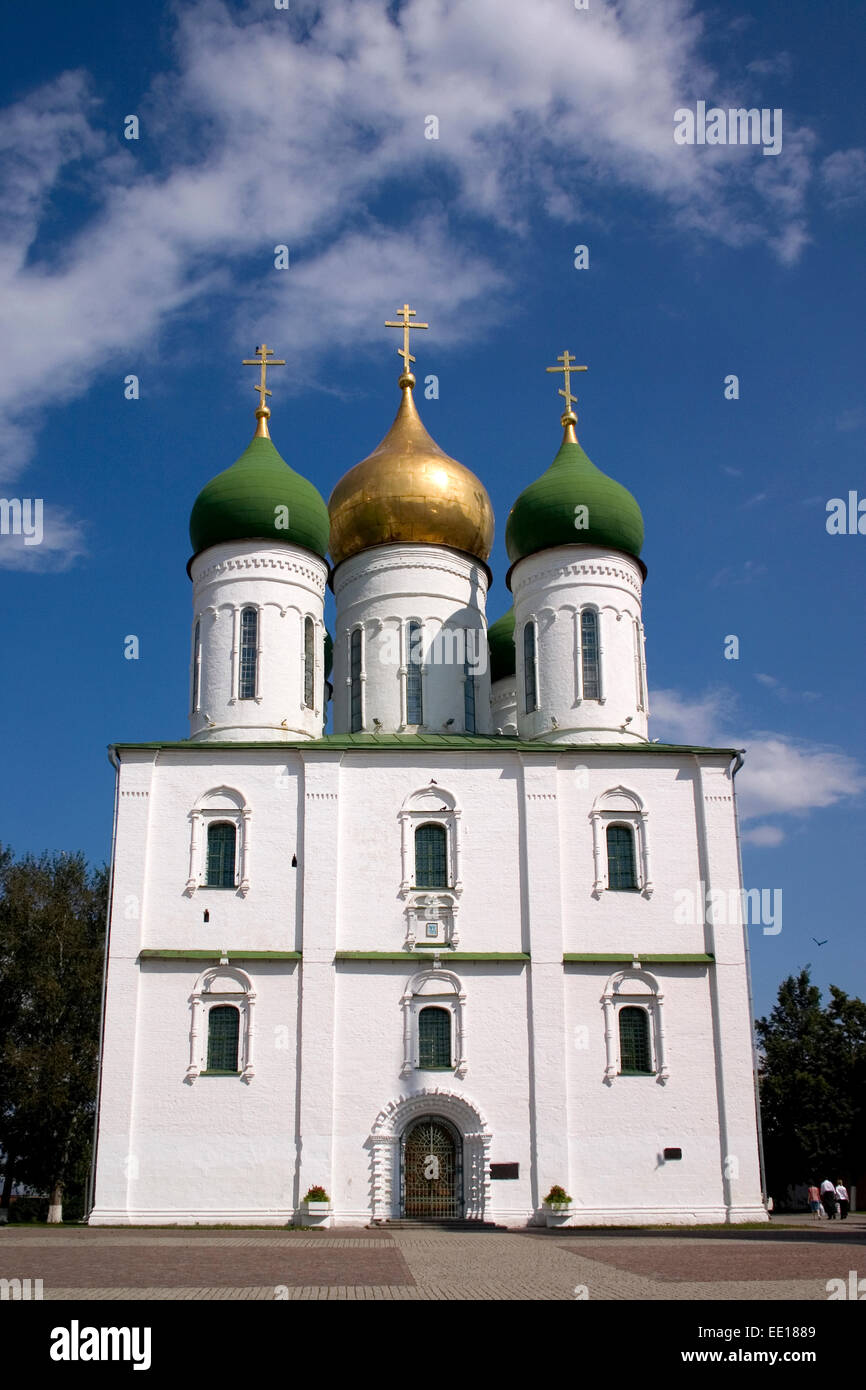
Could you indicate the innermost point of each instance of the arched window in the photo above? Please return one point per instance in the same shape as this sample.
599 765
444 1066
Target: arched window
356 712
309 666
248 662
621 867
634 1041
223 1032
221 840
431 856
414 705
196 667
530 682
434 1038
590 678
468 697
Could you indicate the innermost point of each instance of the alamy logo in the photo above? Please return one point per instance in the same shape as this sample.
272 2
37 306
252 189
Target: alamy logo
76 1343
22 516
725 907
451 646
737 126
855 1290
20 1290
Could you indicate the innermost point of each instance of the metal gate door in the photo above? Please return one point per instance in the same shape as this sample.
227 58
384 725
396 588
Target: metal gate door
430 1174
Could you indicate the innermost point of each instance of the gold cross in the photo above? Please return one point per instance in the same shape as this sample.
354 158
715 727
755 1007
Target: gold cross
568 361
261 359
406 326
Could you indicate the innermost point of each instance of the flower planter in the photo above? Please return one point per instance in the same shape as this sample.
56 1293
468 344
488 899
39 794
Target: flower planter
317 1213
558 1215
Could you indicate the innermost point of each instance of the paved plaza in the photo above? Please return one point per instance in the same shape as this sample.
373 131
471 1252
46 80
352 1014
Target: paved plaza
792 1259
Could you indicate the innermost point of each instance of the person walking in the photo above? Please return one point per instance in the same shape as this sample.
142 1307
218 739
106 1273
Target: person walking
843 1199
828 1197
815 1202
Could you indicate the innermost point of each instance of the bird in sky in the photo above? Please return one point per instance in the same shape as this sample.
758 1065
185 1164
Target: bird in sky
820 943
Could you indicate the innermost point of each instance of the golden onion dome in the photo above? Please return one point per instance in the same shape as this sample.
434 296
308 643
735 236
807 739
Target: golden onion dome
409 490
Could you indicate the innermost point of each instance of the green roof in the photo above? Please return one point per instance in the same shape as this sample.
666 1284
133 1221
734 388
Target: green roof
544 514
428 743
500 641
243 503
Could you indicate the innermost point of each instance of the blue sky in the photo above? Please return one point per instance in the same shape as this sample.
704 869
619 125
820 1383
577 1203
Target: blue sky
261 127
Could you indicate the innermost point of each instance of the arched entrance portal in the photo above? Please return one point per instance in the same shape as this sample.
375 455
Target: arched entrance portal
387 1145
432 1171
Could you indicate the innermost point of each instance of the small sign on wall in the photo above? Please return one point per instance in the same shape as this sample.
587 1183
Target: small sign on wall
501 1171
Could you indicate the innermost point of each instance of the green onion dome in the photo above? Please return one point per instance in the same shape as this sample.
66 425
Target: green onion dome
500 643
545 513
260 498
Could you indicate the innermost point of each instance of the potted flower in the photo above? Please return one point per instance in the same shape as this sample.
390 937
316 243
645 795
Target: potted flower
317 1207
557 1206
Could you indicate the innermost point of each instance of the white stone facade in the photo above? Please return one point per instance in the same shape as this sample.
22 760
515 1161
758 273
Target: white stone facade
328 1082
454 918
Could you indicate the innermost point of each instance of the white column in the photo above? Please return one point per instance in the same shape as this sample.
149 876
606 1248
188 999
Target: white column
249 1069
245 851
195 827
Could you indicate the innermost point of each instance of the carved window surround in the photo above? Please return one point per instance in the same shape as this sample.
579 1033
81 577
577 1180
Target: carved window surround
409 821
634 988
223 984
621 807
440 989
200 818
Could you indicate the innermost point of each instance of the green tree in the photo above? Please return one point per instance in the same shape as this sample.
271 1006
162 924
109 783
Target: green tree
812 1074
52 927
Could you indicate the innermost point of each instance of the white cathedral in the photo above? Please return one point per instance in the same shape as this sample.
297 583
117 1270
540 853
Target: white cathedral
429 962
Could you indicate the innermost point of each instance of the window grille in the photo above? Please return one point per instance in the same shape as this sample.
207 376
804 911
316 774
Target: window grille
591 683
223 1030
249 642
468 698
634 1041
434 1038
414 706
530 684
431 856
221 840
621 870
355 680
308 663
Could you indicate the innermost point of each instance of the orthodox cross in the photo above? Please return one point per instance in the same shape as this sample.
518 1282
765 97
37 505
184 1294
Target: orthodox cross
262 359
568 360
406 326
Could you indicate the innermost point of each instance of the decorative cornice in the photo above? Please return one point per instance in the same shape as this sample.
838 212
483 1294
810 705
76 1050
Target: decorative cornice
464 572
581 569
222 568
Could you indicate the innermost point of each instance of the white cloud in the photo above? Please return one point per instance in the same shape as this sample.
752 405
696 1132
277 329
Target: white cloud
61 545
781 775
764 836
843 176
307 128
677 719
